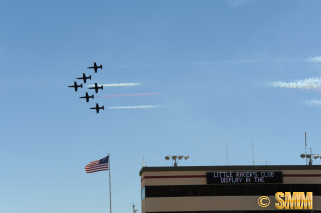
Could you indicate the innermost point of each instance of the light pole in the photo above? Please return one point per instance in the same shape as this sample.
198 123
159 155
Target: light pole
134 210
175 157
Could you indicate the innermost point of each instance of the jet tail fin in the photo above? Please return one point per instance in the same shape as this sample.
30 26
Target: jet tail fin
81 85
92 96
103 107
90 77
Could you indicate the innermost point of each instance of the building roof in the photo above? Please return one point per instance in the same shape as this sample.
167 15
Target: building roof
248 167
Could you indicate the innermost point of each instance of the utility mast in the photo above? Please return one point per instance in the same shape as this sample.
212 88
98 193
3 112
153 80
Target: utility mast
306 160
134 210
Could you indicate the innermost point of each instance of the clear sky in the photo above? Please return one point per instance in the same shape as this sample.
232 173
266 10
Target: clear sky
229 73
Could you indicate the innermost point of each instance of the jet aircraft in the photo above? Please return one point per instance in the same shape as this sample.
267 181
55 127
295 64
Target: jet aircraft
95 67
96 87
84 77
87 97
97 108
76 86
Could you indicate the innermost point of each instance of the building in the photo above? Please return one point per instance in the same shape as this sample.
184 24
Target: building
214 189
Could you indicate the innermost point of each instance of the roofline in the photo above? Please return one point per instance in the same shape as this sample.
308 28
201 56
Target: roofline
248 167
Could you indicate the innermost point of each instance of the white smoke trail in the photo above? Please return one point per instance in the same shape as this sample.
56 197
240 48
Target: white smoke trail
314 59
314 103
309 83
134 107
137 94
117 85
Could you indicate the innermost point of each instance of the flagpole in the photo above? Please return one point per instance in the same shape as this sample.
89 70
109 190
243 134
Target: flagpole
109 181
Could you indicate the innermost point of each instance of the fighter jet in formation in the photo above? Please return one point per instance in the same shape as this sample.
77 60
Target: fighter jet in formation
97 108
84 77
96 87
95 67
76 86
87 97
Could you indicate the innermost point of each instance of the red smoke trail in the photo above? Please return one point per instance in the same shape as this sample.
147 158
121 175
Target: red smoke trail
138 94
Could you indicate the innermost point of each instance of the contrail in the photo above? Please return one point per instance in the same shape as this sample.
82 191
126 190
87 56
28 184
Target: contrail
314 103
309 83
314 59
117 85
134 107
138 94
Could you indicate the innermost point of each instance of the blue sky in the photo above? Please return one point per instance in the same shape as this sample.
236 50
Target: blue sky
219 66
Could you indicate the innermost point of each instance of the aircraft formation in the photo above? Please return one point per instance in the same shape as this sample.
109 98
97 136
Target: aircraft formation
96 87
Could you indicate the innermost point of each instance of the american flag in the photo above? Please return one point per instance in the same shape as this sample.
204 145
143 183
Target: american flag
98 165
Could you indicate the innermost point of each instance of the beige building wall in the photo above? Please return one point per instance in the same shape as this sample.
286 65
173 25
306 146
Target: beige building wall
219 203
158 176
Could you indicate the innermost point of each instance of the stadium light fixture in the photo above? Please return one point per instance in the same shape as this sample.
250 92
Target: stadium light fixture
175 157
310 156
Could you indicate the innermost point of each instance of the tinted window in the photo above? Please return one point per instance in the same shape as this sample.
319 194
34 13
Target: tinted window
179 191
208 190
268 189
298 188
151 191
253 189
143 193
238 190
315 188
193 190
165 191
283 188
223 190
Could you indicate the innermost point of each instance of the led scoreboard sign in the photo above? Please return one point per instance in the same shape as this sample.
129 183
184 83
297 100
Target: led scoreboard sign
244 177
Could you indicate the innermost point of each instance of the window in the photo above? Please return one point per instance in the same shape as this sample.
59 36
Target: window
143 193
253 189
223 190
313 188
227 190
179 191
208 190
238 190
268 189
194 191
151 191
165 191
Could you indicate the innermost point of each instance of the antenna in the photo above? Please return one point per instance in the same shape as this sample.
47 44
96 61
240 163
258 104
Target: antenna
253 153
257 160
310 156
306 160
134 210
144 164
226 155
